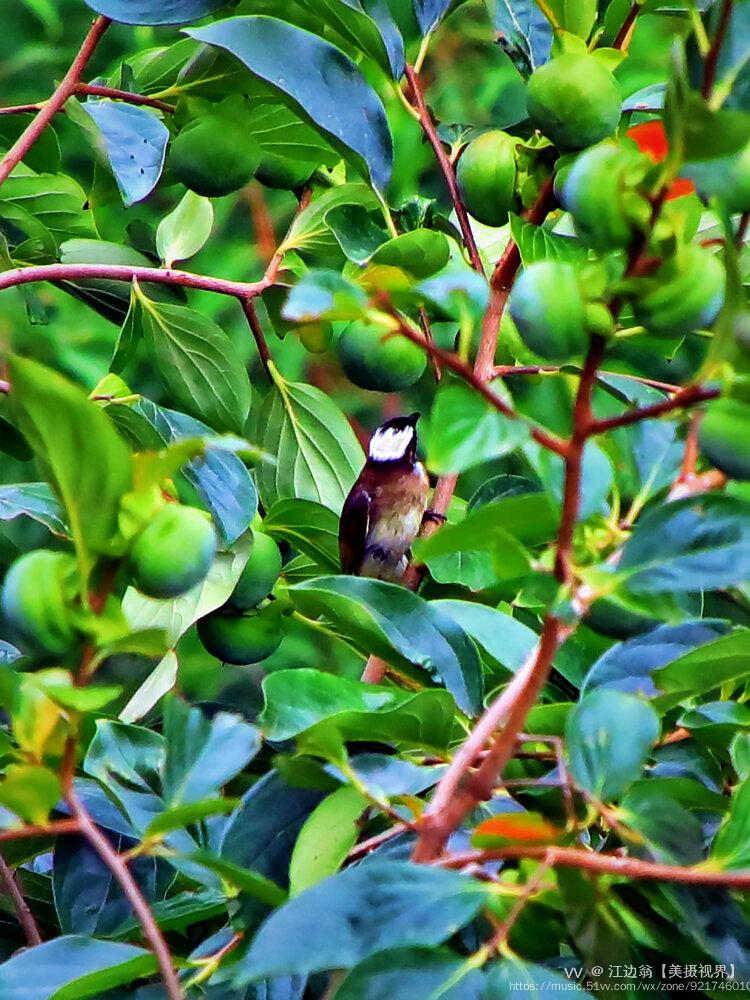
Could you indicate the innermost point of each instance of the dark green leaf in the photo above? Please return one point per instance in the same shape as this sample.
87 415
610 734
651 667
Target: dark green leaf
73 967
318 79
317 455
404 973
135 141
249 882
88 462
375 35
407 904
523 30
154 11
699 543
392 622
55 200
309 527
34 500
44 155
609 736
731 848
429 13
420 253
505 638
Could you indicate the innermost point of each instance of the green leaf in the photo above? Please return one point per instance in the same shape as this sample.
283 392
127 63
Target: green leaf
536 243
405 973
202 753
135 143
731 847
429 13
318 79
317 704
55 200
34 500
73 967
309 527
576 16
247 881
161 680
200 365
527 32
30 791
89 464
277 129
382 42
514 978
310 233
317 455
505 638
322 928
324 294
44 155
327 836
609 736
183 232
178 817
421 253
465 431
699 543
154 11
385 619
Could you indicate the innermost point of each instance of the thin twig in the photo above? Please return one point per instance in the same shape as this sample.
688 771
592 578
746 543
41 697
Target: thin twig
712 59
51 829
119 870
689 396
64 90
604 864
95 90
248 307
23 912
625 32
446 167
424 323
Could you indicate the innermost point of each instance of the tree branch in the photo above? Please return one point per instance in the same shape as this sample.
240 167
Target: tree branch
248 307
625 32
604 864
133 894
50 829
689 396
428 127
23 911
712 59
95 90
64 90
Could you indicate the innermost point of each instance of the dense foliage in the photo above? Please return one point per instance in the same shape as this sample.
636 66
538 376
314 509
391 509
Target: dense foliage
226 768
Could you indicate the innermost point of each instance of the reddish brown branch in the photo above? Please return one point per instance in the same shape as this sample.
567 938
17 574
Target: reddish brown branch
23 911
248 307
712 59
683 398
605 864
64 90
625 32
133 894
50 829
446 167
95 90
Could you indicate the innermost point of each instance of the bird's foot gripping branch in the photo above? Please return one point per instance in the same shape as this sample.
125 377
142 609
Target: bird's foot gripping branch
374 520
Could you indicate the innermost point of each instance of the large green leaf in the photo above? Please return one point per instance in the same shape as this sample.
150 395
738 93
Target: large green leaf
536 243
322 928
405 973
396 624
318 79
200 365
88 463
527 32
55 200
154 11
505 638
321 705
72 967
34 500
327 836
308 527
202 753
609 736
317 455
277 129
731 848
378 39
699 543
576 16
309 232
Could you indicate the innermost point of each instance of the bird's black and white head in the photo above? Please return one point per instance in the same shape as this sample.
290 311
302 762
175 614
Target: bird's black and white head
395 440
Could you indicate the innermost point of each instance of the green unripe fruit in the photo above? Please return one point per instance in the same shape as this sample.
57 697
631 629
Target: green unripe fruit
174 552
727 178
34 601
548 308
279 172
685 294
373 363
600 193
574 100
214 156
724 437
259 575
486 177
240 639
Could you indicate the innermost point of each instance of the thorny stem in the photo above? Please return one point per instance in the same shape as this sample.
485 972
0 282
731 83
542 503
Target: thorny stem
446 167
64 90
23 912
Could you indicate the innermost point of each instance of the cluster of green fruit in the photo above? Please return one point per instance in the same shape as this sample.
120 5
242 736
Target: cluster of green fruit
216 154
240 632
40 601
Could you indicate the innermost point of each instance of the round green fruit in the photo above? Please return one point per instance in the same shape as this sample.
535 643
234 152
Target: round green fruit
600 193
574 100
548 308
214 156
486 177
174 552
685 294
727 178
259 575
240 639
278 172
35 598
724 437
371 362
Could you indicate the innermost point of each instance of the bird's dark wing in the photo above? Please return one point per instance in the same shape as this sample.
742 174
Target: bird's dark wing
353 527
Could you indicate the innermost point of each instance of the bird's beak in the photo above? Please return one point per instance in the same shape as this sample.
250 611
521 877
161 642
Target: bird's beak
413 418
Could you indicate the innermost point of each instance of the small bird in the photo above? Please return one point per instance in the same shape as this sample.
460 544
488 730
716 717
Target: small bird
384 510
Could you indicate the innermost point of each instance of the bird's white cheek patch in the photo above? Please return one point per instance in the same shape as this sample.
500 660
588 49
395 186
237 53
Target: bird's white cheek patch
390 444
